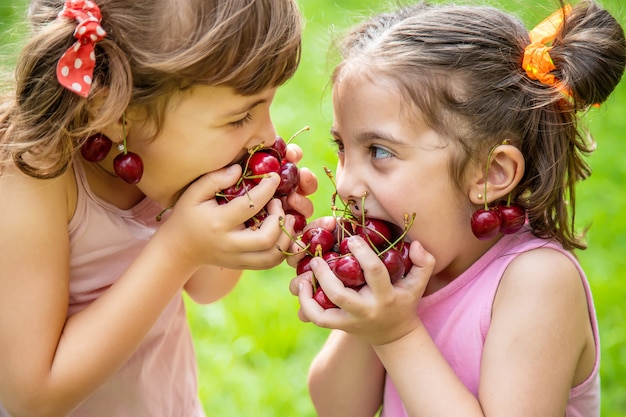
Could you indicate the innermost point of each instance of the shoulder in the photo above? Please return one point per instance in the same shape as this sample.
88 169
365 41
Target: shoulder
542 300
28 197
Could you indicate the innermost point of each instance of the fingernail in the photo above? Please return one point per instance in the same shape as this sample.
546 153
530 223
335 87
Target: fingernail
231 169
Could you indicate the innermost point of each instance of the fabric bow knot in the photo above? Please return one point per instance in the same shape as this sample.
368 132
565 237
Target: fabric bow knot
537 61
75 67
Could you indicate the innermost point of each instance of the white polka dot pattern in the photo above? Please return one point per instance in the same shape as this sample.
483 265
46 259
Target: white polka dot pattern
75 67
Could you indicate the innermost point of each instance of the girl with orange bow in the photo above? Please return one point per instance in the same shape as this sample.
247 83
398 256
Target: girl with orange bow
458 115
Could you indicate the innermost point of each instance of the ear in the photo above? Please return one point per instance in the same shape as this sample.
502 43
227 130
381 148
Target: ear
500 174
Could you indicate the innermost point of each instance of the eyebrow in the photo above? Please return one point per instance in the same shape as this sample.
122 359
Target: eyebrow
370 136
244 108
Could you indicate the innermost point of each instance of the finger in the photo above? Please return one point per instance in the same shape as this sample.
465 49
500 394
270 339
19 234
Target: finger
301 204
294 153
246 206
308 182
419 274
376 274
294 284
205 187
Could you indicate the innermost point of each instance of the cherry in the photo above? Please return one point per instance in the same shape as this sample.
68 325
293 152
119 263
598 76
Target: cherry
262 163
485 223
318 238
320 296
300 219
280 147
374 231
392 259
349 271
512 218
289 179
404 248
129 167
96 147
304 265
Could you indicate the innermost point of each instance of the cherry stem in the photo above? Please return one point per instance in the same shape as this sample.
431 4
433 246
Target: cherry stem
124 132
297 133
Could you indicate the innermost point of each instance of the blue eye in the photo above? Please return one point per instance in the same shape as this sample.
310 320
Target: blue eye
241 122
379 153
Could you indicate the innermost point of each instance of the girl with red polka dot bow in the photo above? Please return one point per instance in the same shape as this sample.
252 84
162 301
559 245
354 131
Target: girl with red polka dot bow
92 321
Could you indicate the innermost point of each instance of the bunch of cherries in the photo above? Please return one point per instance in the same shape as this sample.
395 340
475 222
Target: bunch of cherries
488 221
385 238
260 162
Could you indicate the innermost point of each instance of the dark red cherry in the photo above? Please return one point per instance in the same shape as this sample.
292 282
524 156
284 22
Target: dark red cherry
96 147
289 179
349 271
128 167
319 239
485 223
322 299
304 265
331 258
403 248
512 218
262 163
376 232
280 147
392 259
300 220
238 189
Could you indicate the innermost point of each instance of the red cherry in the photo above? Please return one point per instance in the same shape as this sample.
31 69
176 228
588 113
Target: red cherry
376 232
96 147
280 147
404 248
322 299
485 223
304 265
392 259
512 218
349 271
300 219
318 238
238 189
128 167
289 179
260 164
343 246
331 258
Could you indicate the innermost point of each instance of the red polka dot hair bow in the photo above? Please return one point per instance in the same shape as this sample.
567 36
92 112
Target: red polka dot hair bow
75 68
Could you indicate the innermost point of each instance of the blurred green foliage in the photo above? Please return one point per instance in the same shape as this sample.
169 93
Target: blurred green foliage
252 349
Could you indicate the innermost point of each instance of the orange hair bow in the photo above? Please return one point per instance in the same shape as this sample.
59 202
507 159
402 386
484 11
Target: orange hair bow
537 61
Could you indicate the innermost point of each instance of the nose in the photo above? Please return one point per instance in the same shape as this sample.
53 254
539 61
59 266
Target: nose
265 134
351 189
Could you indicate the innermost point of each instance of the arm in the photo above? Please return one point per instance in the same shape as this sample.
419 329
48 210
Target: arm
50 363
538 346
346 378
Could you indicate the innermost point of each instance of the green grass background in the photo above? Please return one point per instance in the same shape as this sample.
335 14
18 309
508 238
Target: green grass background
254 353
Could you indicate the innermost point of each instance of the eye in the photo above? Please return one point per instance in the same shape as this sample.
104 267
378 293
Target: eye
338 144
379 153
242 121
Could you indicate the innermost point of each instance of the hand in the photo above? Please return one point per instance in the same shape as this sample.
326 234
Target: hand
202 232
380 312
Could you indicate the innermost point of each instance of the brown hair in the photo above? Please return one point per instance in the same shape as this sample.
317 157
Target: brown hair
460 66
152 50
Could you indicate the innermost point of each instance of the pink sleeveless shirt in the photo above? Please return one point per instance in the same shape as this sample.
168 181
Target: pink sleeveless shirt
459 315
160 379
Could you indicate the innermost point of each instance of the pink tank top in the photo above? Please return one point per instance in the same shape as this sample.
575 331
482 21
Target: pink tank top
460 314
160 379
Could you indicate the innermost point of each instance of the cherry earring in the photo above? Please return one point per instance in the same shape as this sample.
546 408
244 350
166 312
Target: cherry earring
96 147
127 165
488 221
